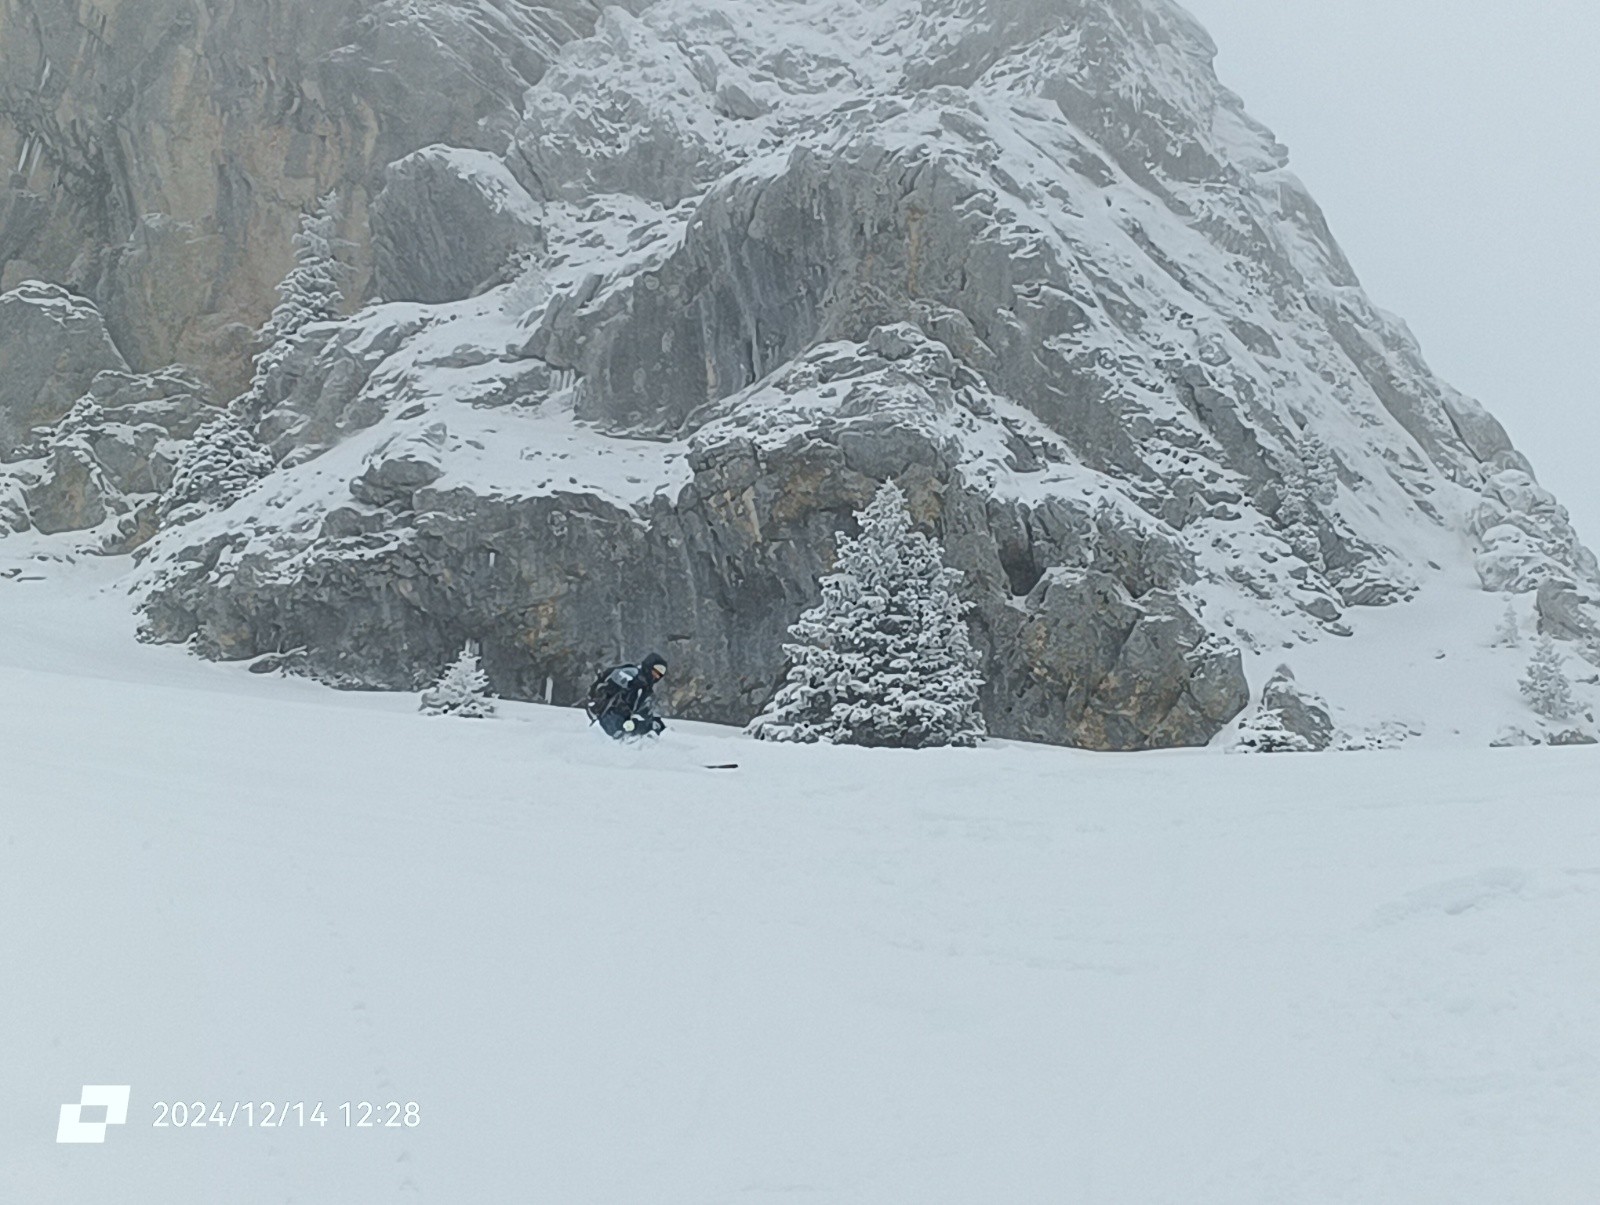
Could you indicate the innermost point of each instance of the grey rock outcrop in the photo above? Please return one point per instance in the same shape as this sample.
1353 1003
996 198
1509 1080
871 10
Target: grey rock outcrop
1298 710
595 124
1290 719
70 494
1568 613
166 156
552 585
1573 737
447 221
316 394
52 346
85 445
1100 669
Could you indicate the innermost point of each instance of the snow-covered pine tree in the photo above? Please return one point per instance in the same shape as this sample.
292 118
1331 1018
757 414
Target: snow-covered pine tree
1322 469
1508 635
224 458
884 659
1264 732
308 293
1297 515
217 465
462 691
1546 686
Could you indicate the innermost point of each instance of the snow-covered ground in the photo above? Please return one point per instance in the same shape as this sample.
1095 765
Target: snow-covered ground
1008 975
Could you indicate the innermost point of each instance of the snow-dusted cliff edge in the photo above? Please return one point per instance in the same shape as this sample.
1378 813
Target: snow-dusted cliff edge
651 330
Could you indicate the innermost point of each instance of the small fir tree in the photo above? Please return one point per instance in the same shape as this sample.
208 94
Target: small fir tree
884 659
1508 635
1265 732
1546 686
462 691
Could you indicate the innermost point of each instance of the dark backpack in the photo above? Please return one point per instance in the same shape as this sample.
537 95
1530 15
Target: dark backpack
604 692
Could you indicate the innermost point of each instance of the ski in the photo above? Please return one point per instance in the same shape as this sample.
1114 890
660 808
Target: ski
732 765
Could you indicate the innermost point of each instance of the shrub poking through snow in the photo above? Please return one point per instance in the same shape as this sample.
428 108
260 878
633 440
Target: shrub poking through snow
1508 635
1265 732
884 659
1546 686
220 463
463 691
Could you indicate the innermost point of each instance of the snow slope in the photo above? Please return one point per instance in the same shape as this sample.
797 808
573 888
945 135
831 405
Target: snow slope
1013 974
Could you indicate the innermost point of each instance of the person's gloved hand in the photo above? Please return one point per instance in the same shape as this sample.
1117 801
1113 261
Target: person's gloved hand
658 725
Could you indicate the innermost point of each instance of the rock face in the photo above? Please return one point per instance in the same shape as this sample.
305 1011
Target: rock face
1298 711
447 222
167 148
711 572
52 346
670 289
1526 536
103 465
84 443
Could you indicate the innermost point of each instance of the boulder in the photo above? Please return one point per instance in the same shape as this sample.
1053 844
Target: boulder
1567 613
112 454
447 221
72 493
52 346
1297 710
394 480
1573 736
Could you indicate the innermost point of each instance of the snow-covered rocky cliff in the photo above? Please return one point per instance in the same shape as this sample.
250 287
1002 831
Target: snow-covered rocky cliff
634 347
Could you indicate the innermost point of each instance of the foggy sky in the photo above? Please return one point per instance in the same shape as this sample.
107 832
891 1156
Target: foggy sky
1455 147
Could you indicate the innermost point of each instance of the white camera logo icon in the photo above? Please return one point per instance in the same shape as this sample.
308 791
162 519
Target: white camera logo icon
113 1098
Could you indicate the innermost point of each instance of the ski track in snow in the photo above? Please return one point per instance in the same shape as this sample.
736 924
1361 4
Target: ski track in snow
608 975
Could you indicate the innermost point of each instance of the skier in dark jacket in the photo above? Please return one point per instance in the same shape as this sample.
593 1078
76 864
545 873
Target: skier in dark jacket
622 699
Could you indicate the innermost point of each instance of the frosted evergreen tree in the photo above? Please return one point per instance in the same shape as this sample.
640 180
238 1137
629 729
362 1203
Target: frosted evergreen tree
309 293
224 458
1264 732
1546 686
462 691
884 659
1508 635
217 465
1321 469
1297 516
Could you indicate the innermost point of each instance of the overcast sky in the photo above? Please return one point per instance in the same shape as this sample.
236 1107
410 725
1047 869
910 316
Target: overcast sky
1455 146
